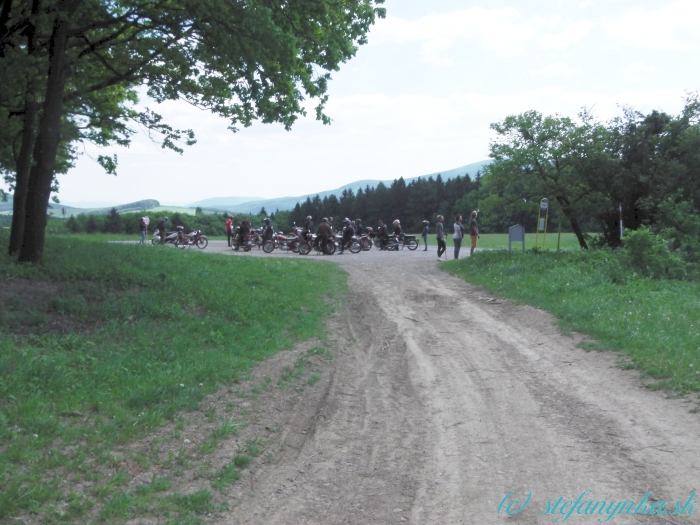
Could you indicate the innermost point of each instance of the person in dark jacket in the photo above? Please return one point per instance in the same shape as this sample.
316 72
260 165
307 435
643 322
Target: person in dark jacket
308 227
426 230
268 231
244 231
440 233
359 229
161 229
383 235
323 234
348 233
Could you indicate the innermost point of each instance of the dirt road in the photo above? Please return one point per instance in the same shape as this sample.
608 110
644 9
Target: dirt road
442 400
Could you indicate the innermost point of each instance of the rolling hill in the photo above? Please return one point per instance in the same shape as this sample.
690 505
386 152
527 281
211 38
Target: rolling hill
234 204
241 204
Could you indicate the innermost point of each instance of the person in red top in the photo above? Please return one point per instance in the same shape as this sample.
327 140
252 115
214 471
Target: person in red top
229 228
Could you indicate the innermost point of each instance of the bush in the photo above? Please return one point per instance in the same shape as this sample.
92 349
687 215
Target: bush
648 254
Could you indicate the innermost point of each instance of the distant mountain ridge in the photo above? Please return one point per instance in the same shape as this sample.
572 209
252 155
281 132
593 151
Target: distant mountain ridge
234 204
247 205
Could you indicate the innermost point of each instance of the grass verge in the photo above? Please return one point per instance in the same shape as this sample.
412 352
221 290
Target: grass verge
655 322
103 343
500 240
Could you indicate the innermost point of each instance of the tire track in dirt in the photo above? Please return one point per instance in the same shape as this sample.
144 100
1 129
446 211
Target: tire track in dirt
444 400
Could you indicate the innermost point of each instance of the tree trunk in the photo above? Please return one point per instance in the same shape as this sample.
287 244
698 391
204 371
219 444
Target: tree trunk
46 147
575 226
24 164
24 161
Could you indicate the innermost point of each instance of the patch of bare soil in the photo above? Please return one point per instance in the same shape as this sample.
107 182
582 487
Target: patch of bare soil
443 399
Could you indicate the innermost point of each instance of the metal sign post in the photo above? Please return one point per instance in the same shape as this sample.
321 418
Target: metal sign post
542 222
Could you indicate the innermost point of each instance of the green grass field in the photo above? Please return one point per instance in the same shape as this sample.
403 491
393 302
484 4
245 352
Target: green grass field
655 322
103 343
500 240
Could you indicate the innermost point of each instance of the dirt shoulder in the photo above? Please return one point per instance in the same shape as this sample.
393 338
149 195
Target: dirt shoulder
441 399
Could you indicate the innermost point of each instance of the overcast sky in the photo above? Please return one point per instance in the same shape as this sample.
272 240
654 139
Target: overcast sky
420 96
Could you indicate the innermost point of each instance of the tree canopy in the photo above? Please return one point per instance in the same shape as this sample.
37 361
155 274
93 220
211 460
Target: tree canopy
76 67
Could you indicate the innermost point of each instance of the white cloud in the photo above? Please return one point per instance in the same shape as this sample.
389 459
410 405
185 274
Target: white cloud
430 52
497 30
571 34
636 71
673 27
556 70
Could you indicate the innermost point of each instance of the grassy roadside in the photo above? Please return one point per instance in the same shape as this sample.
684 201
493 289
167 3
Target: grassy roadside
500 240
488 240
655 322
104 343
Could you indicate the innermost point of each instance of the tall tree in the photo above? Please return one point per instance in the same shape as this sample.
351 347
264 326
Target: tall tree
548 156
242 59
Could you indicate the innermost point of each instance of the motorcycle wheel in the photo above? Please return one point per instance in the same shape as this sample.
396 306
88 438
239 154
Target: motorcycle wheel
355 247
202 242
366 245
330 248
268 246
180 245
412 244
294 246
304 248
155 241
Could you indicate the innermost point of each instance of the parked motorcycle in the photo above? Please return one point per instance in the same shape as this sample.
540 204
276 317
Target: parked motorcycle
409 241
353 244
282 242
366 239
194 238
170 237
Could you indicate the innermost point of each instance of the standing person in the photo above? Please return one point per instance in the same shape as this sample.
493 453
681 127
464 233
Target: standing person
330 223
383 235
323 234
348 232
426 230
229 229
440 233
244 232
473 231
359 229
458 235
308 225
143 227
161 229
268 231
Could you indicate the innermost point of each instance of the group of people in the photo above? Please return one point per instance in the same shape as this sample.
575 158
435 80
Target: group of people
325 231
240 233
350 228
457 236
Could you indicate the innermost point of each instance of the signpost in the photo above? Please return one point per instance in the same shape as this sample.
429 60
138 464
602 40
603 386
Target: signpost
516 234
542 222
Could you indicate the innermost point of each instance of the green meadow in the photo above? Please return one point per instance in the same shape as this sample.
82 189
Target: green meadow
655 322
104 343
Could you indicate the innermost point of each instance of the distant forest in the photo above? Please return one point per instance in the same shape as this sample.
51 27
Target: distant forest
421 199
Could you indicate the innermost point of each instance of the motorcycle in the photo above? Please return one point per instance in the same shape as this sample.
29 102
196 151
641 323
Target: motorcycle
313 242
366 240
170 237
353 244
281 242
194 238
409 241
247 243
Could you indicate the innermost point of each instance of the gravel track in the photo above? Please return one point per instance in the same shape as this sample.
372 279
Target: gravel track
442 399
